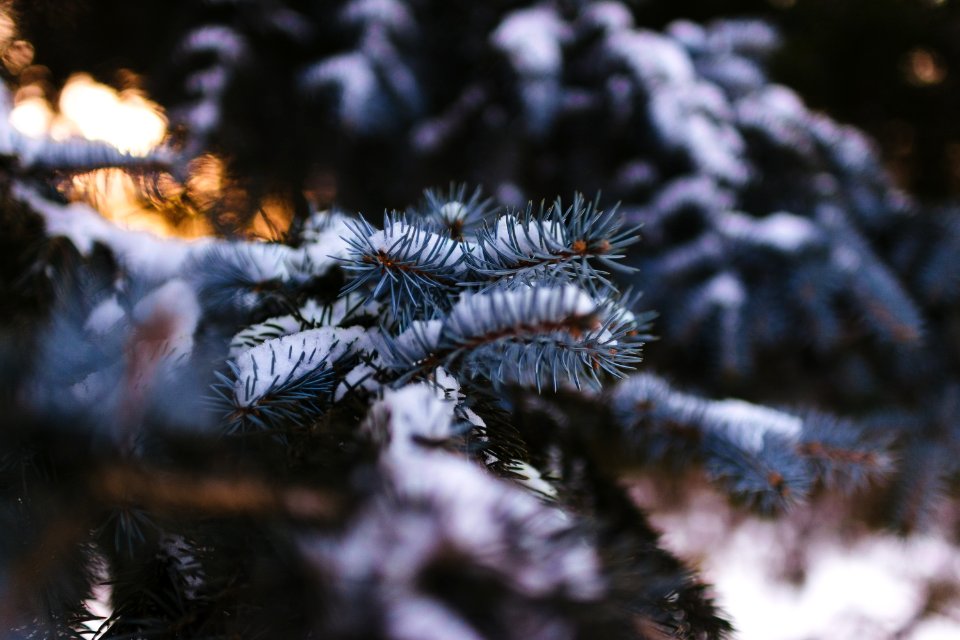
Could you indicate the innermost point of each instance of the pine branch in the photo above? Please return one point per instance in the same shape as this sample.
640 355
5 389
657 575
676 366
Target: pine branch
234 277
534 336
459 214
285 381
561 242
767 457
411 264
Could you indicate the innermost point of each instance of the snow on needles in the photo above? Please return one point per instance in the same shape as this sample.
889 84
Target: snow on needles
286 359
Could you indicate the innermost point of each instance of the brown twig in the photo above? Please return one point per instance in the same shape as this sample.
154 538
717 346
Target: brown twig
167 491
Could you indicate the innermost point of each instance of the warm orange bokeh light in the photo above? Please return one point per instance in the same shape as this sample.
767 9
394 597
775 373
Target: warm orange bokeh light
923 67
94 111
88 109
125 119
128 120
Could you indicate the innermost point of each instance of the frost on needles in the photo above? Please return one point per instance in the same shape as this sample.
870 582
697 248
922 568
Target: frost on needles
526 299
416 425
446 411
383 398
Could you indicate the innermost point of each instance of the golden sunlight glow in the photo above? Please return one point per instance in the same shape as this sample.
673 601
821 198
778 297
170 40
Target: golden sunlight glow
125 119
129 121
115 195
91 110
32 116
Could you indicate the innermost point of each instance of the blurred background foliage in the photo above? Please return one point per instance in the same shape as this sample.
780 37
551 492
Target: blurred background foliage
889 67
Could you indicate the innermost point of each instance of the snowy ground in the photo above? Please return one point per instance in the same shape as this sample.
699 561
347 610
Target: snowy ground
808 578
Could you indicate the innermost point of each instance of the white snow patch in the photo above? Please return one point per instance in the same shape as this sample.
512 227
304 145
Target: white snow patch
419 340
404 241
453 211
654 59
531 39
411 413
531 478
846 258
423 618
696 117
261 332
447 384
779 112
747 424
609 16
289 358
782 231
361 376
225 42
353 74
323 246
390 13
725 290
104 316
311 312
786 231
472 417
475 314
94 387
141 252
477 507
743 423
690 34
511 234
872 587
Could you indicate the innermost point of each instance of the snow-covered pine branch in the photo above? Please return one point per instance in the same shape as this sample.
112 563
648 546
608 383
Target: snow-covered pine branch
770 458
411 264
423 260
284 382
563 242
542 335
453 209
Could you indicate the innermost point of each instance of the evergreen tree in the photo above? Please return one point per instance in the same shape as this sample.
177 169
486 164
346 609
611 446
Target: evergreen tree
416 426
